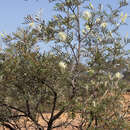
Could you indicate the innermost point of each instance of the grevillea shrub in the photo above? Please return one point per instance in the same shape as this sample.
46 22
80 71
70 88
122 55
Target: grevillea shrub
80 75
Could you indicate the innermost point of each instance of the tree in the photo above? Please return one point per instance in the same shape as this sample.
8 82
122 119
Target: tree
78 77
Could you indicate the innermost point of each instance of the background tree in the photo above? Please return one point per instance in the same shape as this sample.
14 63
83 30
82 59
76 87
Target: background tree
78 77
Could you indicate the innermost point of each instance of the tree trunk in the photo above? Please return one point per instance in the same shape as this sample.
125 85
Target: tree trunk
50 125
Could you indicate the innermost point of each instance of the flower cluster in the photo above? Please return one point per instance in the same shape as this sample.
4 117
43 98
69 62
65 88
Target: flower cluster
32 24
119 75
87 27
103 25
62 36
87 15
62 65
98 20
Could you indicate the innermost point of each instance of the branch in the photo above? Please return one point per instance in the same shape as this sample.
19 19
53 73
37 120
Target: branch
28 108
54 104
43 117
14 108
92 118
59 114
79 37
8 126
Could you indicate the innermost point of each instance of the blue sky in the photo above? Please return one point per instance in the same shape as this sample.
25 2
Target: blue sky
12 13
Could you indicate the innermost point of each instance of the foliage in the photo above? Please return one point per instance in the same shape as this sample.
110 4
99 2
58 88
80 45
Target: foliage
78 76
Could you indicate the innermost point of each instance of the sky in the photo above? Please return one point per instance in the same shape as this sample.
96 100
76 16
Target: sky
12 13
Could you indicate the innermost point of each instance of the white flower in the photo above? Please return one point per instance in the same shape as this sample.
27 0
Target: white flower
91 71
87 15
62 36
117 24
103 25
110 76
83 31
87 27
86 86
72 16
92 82
94 103
119 75
98 20
32 25
110 33
25 74
62 65
101 82
105 83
